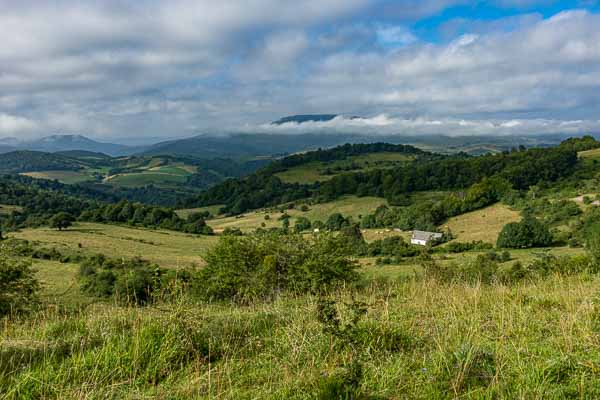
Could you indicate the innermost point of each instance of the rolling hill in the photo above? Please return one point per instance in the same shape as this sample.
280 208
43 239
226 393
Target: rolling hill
57 143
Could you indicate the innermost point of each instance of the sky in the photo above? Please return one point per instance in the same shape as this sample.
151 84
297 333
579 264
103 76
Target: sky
178 68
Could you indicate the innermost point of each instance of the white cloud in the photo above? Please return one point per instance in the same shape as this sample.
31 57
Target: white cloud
387 125
394 36
180 67
11 125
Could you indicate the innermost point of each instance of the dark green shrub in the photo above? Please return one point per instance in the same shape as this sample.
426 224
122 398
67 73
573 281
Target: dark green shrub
132 281
528 233
61 221
336 221
268 263
483 269
461 247
18 285
392 246
302 224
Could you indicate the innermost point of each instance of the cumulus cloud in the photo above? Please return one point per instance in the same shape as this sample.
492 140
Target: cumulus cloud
11 125
383 124
182 67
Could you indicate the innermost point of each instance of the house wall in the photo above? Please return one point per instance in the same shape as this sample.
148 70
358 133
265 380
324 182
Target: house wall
418 242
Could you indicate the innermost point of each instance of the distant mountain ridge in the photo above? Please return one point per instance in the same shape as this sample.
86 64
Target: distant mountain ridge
61 143
302 118
305 118
58 143
248 145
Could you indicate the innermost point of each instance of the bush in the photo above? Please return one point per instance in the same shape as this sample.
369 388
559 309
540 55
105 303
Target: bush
302 224
132 281
483 269
461 247
336 221
268 263
392 246
525 234
18 285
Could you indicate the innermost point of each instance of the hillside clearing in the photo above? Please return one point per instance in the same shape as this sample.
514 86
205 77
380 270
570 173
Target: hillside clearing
591 154
166 248
142 179
349 206
66 177
484 224
314 171
6 209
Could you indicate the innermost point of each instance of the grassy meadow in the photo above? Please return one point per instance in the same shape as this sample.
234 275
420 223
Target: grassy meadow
67 177
484 224
349 206
167 248
418 340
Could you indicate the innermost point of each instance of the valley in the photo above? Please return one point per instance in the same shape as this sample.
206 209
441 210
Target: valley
246 279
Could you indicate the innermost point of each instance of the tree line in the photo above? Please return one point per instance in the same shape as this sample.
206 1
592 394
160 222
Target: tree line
520 168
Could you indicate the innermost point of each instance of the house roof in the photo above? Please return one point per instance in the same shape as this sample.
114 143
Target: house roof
426 236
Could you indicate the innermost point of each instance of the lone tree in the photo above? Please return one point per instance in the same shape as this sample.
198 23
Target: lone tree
61 221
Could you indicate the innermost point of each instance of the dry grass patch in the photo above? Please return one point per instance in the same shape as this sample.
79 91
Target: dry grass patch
484 224
594 153
166 248
350 206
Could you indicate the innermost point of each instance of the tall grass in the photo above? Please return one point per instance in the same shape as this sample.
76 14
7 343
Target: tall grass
418 340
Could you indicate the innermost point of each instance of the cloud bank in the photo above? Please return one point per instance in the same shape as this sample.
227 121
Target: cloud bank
118 68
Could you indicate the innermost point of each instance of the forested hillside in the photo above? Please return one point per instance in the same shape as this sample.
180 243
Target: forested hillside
520 168
27 161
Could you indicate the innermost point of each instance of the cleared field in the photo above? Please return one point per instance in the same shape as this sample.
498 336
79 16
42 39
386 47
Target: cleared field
146 178
182 170
308 173
348 206
4 209
213 210
66 177
166 248
484 224
312 172
59 282
594 153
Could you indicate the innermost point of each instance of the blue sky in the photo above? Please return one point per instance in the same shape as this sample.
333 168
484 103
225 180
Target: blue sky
124 68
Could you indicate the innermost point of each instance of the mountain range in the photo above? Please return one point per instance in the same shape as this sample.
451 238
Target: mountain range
245 146
58 143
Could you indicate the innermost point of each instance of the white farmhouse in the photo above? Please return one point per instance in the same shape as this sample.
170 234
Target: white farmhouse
423 238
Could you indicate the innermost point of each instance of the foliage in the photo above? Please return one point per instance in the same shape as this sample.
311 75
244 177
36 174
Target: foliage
132 281
61 221
393 246
337 221
27 161
302 224
530 232
266 264
148 216
593 242
339 153
18 285
461 247
552 212
520 169
483 269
